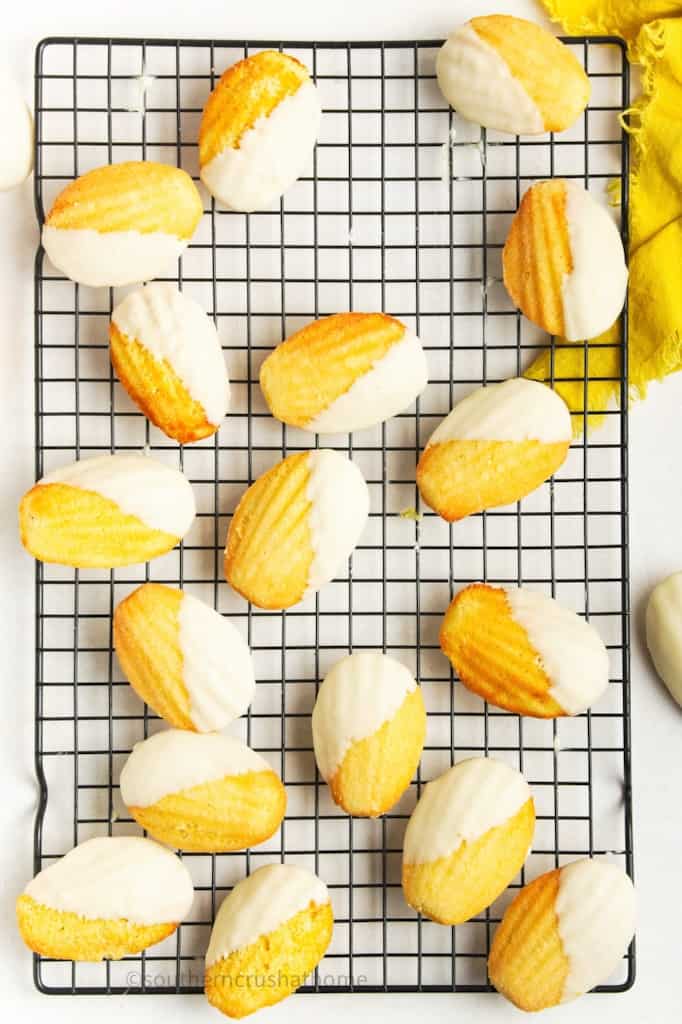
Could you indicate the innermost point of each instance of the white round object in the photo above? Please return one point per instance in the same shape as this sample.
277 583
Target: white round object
664 632
16 135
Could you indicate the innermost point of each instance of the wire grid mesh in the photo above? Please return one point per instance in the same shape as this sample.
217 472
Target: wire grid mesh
404 209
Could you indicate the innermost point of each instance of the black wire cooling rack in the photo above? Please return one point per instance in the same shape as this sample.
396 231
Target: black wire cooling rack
404 209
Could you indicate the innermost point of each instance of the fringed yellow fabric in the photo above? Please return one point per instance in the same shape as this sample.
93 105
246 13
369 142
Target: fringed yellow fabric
655 348
655 126
609 17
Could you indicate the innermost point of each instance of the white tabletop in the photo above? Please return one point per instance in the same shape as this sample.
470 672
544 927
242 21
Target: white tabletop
656 550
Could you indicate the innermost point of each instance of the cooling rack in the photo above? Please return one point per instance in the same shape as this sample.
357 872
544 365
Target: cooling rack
404 208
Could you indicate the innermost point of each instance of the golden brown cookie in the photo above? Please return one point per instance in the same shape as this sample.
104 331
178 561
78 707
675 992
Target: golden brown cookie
563 934
520 650
166 353
269 934
202 792
258 130
107 898
106 511
510 74
122 223
183 658
344 372
467 838
369 724
496 446
295 527
563 261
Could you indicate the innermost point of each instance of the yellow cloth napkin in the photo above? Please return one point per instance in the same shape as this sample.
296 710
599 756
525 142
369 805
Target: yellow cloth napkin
609 17
655 126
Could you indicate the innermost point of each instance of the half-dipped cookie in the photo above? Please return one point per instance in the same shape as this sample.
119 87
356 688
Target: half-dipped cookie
344 373
275 924
563 934
295 527
167 355
122 223
183 658
496 446
510 74
664 632
258 130
522 651
107 898
563 261
369 724
106 511
467 838
202 791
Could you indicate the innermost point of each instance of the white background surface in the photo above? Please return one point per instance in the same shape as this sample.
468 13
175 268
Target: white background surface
656 550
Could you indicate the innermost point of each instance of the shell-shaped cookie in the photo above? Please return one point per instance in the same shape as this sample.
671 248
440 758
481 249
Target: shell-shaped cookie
295 527
167 354
510 74
202 791
16 154
563 934
522 651
369 724
664 632
496 446
107 511
122 223
183 658
467 838
105 899
344 372
258 130
563 261
275 924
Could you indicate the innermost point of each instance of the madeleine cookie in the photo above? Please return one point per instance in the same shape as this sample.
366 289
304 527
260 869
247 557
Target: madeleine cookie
563 934
563 261
258 130
167 355
497 445
269 934
105 512
16 154
122 223
510 74
202 792
522 651
468 836
105 899
295 527
344 373
183 658
664 632
369 724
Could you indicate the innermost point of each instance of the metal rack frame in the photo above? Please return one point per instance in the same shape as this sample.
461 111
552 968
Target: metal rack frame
383 119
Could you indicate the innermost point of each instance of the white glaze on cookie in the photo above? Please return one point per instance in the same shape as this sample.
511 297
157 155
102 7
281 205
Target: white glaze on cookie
260 904
160 496
114 877
462 805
